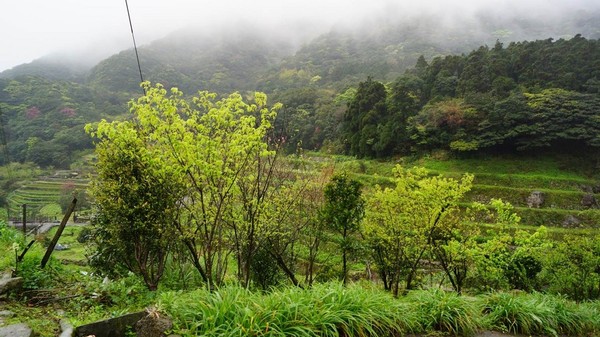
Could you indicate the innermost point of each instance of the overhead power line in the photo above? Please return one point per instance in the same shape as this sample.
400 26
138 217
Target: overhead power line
137 56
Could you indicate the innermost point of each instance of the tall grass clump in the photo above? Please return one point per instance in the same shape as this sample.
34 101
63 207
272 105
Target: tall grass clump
359 311
325 310
539 314
446 312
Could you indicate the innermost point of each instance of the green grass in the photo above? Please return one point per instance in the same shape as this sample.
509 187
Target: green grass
447 312
76 252
540 166
324 310
360 310
538 314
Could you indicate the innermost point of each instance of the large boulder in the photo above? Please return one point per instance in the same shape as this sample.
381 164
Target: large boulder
11 283
571 221
16 330
153 325
589 200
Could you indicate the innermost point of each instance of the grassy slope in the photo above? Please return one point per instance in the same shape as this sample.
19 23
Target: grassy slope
495 177
563 180
39 193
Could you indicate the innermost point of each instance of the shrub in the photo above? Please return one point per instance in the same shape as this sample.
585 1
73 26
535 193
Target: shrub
35 277
446 312
522 313
264 269
84 235
325 310
573 267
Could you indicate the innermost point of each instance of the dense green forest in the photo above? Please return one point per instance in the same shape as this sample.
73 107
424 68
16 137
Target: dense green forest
529 95
430 74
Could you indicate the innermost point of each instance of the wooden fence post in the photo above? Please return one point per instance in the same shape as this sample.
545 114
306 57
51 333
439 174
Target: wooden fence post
61 227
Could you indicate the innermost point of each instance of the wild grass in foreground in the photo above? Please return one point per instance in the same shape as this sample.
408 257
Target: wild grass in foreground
324 310
538 314
332 310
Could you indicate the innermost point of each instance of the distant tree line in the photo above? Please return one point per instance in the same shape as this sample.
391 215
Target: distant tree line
529 95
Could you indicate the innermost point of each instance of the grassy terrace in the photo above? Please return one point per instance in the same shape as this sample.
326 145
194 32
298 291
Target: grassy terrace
37 194
563 181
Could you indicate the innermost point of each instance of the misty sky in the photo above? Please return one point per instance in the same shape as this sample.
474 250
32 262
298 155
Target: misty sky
30 29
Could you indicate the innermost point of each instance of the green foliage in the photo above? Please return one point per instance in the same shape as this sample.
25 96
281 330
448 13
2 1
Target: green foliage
44 119
34 277
537 314
359 310
503 116
445 123
135 199
85 235
264 268
447 312
572 267
402 223
366 115
324 310
342 212
12 244
202 170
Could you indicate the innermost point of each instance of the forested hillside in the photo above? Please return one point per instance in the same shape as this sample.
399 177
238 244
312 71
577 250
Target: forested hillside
463 94
529 95
43 119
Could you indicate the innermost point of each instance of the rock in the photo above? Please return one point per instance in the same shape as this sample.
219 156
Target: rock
571 221
8 284
153 325
6 313
66 328
113 327
589 200
16 330
535 199
61 247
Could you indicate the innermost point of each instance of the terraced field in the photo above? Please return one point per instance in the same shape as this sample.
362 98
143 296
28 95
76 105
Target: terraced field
570 197
569 194
39 193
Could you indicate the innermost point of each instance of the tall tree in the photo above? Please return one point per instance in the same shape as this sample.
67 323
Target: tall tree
401 223
365 116
342 213
210 147
136 202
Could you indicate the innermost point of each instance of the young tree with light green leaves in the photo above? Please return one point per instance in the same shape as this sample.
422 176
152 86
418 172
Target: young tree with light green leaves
402 223
218 151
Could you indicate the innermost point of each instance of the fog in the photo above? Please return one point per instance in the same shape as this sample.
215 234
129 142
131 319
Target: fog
90 30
